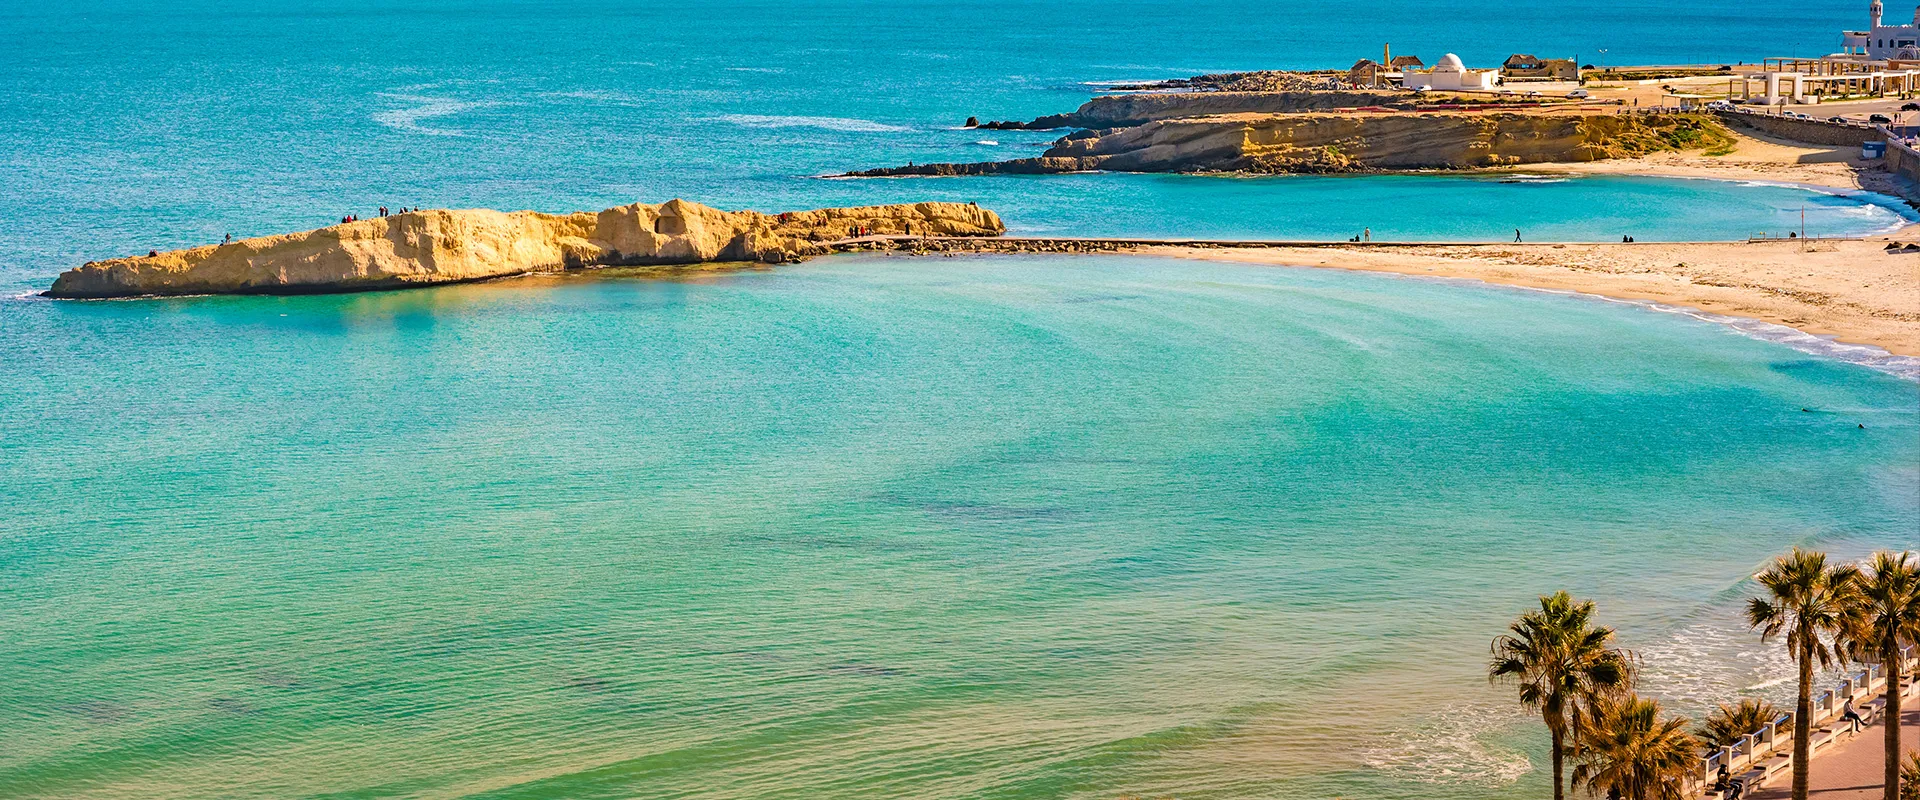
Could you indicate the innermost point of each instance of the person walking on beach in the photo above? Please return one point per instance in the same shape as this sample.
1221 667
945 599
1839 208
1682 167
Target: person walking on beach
1366 234
1516 235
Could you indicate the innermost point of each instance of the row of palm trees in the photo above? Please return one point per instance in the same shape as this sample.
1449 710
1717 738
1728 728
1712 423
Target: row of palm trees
1570 671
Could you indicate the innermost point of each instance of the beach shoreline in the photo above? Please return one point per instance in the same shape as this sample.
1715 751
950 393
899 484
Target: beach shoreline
1851 292
1753 158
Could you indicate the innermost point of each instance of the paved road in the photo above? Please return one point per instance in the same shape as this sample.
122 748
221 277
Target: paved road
1853 769
1859 110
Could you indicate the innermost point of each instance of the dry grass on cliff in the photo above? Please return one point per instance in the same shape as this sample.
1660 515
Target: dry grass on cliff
1676 133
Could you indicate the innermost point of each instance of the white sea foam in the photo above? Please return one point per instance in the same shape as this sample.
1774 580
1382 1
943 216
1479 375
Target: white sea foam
1907 367
988 142
1864 355
826 123
409 119
1451 747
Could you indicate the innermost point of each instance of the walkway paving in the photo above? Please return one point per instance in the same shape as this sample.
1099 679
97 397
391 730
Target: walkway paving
1853 769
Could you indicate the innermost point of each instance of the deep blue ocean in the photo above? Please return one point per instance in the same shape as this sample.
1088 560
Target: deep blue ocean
864 527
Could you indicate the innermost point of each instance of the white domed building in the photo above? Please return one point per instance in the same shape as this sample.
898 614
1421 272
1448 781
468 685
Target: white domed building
1882 42
1449 75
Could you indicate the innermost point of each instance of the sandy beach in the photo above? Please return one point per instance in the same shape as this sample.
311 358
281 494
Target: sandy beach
1754 158
1854 291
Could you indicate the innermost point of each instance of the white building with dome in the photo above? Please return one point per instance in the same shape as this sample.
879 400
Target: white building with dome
1881 42
1449 75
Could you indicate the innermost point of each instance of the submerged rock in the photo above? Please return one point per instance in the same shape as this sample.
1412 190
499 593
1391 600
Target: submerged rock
422 248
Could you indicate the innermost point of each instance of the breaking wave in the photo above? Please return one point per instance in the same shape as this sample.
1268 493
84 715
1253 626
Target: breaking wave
825 123
1451 747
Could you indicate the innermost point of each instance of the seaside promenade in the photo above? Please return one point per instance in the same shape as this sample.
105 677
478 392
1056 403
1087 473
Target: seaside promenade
1854 768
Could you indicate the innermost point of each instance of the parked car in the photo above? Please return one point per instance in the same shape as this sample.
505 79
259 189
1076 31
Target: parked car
1836 119
1881 119
1579 94
1911 107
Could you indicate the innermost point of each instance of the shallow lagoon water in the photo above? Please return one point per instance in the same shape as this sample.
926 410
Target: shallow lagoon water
882 527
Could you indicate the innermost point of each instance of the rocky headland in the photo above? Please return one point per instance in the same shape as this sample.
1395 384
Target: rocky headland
1343 142
1123 110
423 248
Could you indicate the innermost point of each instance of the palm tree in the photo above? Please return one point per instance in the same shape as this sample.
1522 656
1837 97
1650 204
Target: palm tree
1886 615
1629 752
1806 599
1563 664
1910 778
1729 723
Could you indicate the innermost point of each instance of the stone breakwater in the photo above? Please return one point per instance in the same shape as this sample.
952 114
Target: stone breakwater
422 248
1351 142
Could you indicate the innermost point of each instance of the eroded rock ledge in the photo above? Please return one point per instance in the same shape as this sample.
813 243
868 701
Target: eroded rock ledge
423 248
1336 142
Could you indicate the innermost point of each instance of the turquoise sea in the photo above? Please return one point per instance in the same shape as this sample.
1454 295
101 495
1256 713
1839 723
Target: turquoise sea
865 527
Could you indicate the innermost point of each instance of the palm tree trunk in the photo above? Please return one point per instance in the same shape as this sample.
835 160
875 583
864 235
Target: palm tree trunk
1559 759
1803 723
1890 661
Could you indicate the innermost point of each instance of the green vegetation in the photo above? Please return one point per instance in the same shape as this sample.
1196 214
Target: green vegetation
1807 603
1569 671
1629 751
1638 135
1564 665
1728 723
1884 615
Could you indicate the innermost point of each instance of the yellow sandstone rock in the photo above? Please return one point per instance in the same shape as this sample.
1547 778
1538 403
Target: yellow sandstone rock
422 248
1353 142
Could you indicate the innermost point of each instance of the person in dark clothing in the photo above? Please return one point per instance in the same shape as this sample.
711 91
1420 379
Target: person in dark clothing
1852 717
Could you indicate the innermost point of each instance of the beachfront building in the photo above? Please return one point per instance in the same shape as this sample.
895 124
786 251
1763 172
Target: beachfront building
1882 42
1449 75
1368 72
1524 65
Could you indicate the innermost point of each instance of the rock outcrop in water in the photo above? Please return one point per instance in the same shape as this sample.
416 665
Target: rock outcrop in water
422 248
1350 142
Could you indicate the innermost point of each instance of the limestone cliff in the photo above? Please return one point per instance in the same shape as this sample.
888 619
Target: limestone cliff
1336 142
442 246
1113 111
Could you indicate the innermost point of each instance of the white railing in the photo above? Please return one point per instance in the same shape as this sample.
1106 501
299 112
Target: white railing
1763 753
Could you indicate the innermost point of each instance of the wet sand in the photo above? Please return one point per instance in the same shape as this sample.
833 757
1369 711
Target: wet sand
1854 291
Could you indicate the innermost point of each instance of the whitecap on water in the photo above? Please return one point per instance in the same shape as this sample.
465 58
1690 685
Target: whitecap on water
827 123
409 119
1452 747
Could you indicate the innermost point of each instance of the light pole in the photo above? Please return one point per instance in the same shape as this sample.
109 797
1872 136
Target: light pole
1603 59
